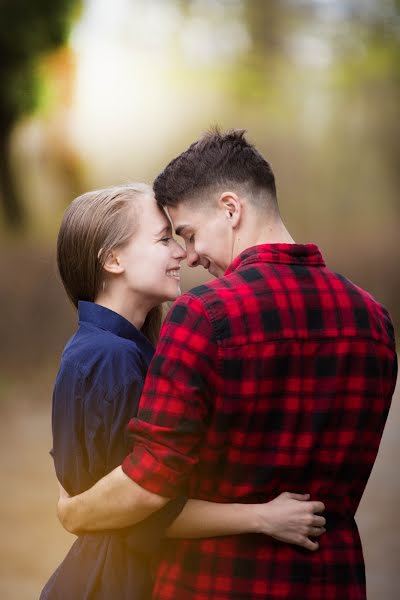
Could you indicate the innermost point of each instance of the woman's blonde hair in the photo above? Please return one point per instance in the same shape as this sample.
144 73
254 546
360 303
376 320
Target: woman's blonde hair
93 225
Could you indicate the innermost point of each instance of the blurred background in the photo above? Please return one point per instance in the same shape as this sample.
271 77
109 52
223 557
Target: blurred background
97 92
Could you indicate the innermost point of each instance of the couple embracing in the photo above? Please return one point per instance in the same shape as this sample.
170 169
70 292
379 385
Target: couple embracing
254 423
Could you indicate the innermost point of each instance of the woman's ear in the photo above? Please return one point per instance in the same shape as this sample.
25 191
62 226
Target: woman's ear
229 202
113 263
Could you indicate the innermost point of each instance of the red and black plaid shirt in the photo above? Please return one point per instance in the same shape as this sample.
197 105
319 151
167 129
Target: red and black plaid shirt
277 376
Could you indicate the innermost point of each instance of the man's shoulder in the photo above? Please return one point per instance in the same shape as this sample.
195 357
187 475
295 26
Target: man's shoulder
368 312
217 288
358 295
212 301
203 306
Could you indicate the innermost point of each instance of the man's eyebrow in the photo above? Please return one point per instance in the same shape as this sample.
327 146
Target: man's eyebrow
180 229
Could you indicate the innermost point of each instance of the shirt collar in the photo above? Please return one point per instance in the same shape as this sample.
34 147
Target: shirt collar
107 319
288 254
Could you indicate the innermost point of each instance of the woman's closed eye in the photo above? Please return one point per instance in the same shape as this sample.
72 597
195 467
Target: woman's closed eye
166 239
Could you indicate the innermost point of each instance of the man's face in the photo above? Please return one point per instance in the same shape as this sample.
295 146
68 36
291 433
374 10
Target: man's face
207 234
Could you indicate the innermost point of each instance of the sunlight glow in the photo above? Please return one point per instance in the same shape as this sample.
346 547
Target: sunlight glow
133 58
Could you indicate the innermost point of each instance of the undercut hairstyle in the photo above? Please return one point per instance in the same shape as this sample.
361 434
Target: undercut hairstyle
93 225
214 162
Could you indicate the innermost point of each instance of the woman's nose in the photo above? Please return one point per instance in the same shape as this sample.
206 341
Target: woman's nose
180 251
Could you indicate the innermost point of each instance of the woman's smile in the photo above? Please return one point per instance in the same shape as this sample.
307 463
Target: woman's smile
174 273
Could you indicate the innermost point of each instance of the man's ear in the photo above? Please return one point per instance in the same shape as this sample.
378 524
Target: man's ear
229 202
113 263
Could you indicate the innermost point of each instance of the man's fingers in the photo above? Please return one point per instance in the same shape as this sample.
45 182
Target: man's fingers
316 531
318 521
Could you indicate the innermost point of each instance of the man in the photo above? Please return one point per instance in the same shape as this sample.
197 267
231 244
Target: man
276 375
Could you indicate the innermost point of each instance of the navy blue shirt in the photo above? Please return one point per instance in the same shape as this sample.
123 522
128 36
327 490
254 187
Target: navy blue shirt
96 393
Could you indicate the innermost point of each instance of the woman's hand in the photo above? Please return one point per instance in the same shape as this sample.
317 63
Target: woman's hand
291 518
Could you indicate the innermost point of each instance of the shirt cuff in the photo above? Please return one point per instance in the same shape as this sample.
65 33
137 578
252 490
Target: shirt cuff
143 468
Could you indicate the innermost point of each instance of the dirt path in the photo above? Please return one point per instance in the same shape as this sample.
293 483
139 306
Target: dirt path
33 543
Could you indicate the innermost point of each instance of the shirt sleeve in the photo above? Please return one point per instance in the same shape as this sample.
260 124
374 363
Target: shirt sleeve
117 408
174 409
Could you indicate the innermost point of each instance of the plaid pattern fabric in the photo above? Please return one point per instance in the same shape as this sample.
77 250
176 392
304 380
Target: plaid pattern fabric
277 376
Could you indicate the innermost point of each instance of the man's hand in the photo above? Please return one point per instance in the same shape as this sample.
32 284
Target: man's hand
291 518
113 502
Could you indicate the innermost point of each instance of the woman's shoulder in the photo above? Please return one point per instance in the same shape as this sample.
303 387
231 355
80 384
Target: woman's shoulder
101 352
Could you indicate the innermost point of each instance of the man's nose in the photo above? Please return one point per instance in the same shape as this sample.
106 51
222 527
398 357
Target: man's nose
193 259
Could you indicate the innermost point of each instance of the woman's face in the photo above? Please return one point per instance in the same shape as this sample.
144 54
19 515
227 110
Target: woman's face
151 259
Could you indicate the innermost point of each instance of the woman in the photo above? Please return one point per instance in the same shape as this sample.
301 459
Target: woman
118 262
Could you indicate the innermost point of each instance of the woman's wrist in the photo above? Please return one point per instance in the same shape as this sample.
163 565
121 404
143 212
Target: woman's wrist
255 520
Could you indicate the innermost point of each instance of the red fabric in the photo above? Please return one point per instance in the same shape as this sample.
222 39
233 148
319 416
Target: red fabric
277 376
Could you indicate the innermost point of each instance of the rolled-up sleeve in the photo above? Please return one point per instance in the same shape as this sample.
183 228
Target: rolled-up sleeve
174 409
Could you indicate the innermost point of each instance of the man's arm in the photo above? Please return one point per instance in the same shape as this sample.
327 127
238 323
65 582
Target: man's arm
167 431
113 502
177 401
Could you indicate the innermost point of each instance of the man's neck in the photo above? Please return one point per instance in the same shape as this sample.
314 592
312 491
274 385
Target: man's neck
275 233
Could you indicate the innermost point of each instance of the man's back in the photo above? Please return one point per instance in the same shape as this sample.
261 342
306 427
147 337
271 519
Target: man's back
298 367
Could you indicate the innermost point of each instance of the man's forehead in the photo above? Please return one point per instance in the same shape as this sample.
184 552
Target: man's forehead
181 219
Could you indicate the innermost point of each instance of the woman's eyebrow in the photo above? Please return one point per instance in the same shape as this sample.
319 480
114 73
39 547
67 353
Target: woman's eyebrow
164 230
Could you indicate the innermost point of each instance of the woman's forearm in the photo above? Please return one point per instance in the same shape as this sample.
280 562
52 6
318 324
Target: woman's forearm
289 518
200 519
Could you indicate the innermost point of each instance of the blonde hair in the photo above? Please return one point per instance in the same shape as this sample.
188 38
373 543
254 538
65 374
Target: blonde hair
93 225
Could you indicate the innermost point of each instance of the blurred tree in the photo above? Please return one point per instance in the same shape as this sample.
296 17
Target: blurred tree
265 21
28 29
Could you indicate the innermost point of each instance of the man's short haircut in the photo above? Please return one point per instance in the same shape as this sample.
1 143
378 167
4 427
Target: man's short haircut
216 161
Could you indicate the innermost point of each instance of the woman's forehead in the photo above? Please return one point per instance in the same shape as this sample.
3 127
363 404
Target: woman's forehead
152 215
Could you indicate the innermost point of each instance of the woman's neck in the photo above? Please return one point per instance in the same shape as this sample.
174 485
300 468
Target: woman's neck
130 308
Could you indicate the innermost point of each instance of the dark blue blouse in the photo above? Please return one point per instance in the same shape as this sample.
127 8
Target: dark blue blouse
97 392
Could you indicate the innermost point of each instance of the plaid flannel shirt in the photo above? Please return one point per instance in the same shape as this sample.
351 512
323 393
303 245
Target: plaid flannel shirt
277 376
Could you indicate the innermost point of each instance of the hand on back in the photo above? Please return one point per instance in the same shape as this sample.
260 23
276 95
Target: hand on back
292 518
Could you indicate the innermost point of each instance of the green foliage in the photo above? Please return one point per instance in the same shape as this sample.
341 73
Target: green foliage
28 29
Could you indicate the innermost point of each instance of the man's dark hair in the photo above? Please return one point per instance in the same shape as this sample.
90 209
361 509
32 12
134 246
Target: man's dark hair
216 160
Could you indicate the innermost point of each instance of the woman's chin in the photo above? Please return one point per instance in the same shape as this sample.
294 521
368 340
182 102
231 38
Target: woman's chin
171 295
178 292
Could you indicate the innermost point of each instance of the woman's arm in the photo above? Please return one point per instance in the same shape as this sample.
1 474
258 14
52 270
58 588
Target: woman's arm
290 518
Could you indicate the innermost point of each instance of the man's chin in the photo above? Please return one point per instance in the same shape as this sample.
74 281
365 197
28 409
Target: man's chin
213 271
